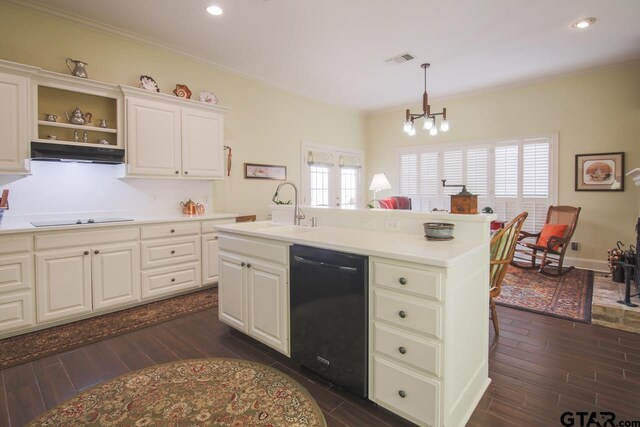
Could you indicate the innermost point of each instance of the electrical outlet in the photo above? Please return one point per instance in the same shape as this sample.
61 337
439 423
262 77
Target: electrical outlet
369 223
574 246
391 224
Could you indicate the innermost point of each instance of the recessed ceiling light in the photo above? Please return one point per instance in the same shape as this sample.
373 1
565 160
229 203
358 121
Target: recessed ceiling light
214 10
584 23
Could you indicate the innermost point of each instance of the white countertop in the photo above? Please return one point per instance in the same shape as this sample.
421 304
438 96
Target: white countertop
401 246
22 223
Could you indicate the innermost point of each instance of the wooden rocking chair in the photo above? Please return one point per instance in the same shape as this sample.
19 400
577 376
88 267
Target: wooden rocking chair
546 253
503 245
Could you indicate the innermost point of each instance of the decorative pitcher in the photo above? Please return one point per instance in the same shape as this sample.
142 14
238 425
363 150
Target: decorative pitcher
78 69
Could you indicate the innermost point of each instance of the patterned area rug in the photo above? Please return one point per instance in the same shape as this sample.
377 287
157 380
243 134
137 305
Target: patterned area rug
205 392
566 297
34 345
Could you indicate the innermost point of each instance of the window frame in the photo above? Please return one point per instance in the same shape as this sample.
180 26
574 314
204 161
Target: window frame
335 188
491 144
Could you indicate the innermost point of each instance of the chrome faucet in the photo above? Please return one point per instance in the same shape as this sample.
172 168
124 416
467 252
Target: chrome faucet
297 213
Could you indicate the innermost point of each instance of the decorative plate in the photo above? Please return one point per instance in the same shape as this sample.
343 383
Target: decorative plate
147 83
208 97
182 91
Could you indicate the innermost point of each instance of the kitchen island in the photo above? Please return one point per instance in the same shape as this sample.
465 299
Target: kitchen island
427 323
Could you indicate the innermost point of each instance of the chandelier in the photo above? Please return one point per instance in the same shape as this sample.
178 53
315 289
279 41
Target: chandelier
429 118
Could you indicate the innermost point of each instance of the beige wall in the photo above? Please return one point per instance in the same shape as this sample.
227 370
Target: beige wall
593 112
264 125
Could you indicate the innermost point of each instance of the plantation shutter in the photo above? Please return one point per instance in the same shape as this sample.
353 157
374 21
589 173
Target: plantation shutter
429 181
506 181
536 182
452 172
478 174
409 178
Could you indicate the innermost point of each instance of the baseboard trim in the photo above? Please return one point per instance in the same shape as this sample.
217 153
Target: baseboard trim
587 264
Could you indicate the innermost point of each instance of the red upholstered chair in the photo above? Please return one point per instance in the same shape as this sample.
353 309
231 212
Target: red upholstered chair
395 202
546 253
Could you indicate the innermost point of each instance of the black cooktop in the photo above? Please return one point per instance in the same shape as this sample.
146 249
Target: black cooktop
83 221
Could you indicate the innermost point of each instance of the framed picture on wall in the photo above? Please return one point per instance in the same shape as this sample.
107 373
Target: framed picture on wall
258 171
600 172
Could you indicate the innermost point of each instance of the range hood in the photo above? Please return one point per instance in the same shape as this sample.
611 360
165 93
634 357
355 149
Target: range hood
76 153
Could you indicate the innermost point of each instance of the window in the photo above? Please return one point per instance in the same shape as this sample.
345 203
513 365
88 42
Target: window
331 176
511 176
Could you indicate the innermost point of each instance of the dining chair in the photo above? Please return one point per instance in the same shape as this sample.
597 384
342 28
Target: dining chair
502 248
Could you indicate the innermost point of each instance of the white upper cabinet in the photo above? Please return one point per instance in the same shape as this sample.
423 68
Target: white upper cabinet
170 136
14 123
153 136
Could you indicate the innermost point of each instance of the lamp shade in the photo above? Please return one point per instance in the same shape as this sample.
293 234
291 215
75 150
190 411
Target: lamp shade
379 182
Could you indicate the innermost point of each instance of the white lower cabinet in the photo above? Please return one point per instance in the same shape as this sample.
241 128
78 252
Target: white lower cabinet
76 281
254 290
17 310
210 259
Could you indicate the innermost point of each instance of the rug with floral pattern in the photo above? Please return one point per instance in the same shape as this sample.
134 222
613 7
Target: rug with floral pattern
568 296
35 345
204 392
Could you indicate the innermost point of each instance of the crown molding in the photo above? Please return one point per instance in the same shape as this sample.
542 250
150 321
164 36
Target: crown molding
511 85
113 31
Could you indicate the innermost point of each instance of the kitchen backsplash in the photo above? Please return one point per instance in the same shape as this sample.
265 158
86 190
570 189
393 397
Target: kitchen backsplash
56 187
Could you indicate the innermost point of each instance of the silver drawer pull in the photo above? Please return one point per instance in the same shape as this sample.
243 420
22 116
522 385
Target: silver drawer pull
402 350
402 314
402 394
402 281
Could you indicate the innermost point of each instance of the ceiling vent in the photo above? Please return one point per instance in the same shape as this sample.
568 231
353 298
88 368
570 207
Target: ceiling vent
400 59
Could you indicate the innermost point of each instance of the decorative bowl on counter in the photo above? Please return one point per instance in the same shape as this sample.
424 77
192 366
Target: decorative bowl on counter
438 230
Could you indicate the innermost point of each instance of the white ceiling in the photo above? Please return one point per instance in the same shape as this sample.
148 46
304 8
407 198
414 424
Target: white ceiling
333 50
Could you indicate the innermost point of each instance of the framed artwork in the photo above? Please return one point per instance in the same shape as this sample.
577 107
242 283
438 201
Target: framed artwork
257 171
600 172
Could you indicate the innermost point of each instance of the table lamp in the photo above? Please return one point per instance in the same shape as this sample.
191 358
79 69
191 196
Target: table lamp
379 182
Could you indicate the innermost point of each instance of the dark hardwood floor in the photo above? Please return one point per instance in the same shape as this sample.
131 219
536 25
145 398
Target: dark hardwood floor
540 367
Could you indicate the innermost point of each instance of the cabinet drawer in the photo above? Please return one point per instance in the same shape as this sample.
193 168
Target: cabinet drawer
170 229
86 238
16 311
268 250
16 273
421 399
157 253
408 312
407 347
408 279
167 280
15 244
210 225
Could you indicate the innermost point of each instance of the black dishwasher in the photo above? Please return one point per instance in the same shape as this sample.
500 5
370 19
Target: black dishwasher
328 298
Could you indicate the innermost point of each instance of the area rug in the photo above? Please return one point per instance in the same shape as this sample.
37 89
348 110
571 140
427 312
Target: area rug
204 392
34 345
567 297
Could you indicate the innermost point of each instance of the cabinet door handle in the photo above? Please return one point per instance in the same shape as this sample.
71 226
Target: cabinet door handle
86 252
248 265
173 231
402 314
215 238
242 264
173 251
402 281
402 350
173 279
96 252
402 393
177 172
186 172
